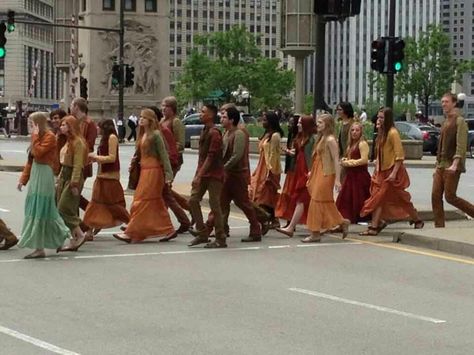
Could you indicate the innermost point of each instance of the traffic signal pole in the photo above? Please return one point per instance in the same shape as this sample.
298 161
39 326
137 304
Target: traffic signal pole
121 43
390 74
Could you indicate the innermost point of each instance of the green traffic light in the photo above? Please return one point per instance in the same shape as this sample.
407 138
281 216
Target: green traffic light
2 52
398 66
11 28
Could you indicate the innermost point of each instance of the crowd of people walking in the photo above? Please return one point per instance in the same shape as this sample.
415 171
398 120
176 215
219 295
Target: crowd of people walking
318 162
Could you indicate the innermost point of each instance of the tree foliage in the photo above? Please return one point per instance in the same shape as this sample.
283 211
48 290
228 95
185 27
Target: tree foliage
429 68
225 60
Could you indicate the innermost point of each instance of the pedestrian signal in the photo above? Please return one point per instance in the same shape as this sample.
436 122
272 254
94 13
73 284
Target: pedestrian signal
129 76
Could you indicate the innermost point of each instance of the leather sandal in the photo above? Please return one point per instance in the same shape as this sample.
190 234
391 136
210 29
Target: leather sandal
122 238
372 231
169 237
287 233
216 244
311 239
198 240
418 224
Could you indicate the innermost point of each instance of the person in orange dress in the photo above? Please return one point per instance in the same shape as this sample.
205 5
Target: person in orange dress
303 145
107 207
265 180
356 185
323 178
286 204
149 217
388 199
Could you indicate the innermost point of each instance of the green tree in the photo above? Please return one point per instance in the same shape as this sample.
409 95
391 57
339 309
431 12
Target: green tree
429 68
225 60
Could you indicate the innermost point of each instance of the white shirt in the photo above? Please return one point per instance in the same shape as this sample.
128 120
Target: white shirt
363 116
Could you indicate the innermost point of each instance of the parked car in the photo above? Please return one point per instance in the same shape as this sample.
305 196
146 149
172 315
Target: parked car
194 126
470 137
420 131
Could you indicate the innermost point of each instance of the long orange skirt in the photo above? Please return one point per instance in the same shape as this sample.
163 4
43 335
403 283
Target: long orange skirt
391 196
107 207
263 191
149 214
286 203
322 213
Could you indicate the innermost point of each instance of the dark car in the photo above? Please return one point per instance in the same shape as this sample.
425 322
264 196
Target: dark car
194 126
470 136
420 131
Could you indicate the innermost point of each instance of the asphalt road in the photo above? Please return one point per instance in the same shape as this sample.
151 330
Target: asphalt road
274 297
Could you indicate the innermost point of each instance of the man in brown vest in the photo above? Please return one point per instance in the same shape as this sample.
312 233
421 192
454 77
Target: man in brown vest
450 162
88 130
209 176
236 173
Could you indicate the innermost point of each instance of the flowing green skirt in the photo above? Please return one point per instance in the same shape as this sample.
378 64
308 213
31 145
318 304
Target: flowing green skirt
43 227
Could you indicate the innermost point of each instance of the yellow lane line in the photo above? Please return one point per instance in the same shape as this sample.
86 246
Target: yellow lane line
414 251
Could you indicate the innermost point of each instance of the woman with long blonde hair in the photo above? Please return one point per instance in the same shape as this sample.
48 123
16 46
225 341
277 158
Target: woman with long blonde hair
73 156
43 227
149 215
323 178
356 185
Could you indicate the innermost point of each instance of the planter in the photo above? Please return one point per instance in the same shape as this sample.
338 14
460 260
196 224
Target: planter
413 148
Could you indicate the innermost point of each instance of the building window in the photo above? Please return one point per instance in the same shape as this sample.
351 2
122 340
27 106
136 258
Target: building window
130 5
150 6
108 5
84 7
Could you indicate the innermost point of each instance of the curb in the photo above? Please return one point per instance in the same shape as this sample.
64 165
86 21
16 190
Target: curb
11 168
447 246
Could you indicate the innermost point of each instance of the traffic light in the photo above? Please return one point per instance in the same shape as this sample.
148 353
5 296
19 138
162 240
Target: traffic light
115 75
83 88
129 76
3 40
378 55
11 21
337 7
398 54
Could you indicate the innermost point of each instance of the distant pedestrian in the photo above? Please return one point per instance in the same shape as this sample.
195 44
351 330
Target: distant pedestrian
107 207
43 227
388 199
450 161
149 217
324 177
356 185
265 180
303 146
132 124
363 115
208 178
73 156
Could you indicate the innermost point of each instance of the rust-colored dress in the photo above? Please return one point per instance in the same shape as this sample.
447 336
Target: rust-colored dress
390 195
149 214
265 180
322 213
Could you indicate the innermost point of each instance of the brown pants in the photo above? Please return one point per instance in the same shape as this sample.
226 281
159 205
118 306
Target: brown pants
214 188
447 182
235 189
170 200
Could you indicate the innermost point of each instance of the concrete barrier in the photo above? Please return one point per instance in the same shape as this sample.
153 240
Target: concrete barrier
413 148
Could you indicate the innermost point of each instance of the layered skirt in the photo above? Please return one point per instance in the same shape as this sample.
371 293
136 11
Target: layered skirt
107 207
43 227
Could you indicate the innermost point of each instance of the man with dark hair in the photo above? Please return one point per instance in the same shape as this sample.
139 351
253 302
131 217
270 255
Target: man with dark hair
88 130
450 161
209 177
237 172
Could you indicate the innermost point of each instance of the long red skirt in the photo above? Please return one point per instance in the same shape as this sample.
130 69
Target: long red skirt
286 204
390 196
354 192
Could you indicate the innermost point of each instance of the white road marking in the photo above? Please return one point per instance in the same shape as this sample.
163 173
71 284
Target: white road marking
177 252
4 210
367 305
36 342
325 244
